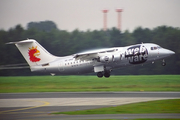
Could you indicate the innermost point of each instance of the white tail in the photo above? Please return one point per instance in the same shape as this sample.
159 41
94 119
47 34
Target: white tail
33 52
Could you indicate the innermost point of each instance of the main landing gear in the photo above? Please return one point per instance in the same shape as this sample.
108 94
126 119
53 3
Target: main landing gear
100 74
105 74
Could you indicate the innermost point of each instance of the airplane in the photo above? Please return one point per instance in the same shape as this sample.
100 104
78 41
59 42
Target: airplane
101 61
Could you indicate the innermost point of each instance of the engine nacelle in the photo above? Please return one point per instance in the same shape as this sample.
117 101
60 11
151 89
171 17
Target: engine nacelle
117 57
107 58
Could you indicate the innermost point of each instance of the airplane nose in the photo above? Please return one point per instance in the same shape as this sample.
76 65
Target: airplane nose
171 52
166 52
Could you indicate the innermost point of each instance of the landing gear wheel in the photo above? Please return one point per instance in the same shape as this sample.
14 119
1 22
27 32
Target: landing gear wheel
100 74
163 63
107 74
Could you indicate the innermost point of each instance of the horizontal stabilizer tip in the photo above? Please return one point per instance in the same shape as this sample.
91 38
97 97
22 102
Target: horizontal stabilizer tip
20 42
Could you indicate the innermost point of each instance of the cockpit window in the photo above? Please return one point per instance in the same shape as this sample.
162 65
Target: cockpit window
155 48
159 47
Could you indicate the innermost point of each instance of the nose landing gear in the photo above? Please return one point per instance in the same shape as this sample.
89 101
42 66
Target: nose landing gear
163 62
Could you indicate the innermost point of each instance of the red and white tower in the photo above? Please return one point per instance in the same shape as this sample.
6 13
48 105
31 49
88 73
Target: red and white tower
105 19
118 10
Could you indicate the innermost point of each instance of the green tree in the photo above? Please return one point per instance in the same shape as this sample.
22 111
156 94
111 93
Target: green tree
142 35
46 26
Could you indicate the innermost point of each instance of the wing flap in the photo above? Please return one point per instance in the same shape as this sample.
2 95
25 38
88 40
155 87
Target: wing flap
90 55
86 56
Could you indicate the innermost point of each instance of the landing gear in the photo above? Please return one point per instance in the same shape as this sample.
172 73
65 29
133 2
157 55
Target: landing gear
105 74
100 74
163 62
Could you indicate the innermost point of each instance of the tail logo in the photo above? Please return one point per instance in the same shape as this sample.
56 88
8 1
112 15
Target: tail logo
33 53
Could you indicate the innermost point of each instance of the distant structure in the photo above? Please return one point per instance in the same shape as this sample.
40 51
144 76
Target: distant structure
118 10
105 19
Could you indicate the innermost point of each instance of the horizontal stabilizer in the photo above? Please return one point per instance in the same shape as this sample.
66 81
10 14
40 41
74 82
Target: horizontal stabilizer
20 42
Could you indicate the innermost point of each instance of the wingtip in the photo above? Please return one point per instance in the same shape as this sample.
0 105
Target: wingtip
12 42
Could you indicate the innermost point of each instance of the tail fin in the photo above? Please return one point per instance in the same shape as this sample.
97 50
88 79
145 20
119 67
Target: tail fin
33 52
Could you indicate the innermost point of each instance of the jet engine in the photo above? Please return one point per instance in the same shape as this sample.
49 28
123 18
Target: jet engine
107 58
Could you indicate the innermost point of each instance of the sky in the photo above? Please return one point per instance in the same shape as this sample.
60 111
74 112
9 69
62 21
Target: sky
87 14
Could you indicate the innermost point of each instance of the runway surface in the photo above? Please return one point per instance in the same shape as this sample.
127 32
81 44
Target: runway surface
40 105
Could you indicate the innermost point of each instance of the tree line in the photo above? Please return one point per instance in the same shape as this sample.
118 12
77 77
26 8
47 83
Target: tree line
61 43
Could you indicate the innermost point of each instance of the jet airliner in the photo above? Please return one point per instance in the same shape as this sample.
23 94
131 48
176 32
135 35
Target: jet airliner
101 61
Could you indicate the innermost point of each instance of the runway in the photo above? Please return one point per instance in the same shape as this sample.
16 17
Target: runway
40 105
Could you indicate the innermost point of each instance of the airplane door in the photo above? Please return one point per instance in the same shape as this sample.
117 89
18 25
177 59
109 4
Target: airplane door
61 67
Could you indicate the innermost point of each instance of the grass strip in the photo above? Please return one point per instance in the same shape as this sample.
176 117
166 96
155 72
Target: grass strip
157 119
147 119
159 106
89 83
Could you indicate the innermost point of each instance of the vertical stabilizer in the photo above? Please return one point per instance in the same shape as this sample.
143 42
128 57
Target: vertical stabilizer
33 52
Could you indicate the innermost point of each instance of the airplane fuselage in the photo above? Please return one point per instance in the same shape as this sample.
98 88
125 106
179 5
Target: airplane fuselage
101 61
105 60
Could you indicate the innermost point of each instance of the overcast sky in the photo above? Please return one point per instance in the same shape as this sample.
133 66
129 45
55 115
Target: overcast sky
86 14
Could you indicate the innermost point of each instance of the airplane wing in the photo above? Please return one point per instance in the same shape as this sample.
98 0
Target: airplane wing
93 54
